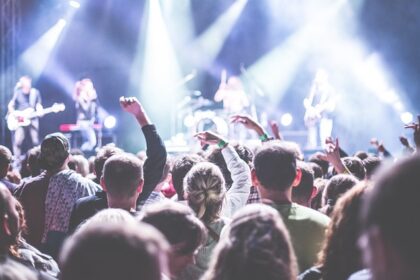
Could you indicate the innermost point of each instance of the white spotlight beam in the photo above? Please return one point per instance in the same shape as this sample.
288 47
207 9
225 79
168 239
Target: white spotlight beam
155 73
276 69
206 47
35 58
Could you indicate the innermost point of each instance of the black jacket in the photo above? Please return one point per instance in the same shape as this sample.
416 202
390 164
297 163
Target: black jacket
88 206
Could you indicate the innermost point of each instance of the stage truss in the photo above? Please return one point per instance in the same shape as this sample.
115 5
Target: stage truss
9 36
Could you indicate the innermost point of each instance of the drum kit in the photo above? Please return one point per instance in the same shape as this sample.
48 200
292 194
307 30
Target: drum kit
196 113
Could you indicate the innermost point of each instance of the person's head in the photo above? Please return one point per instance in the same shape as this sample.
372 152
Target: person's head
355 166
361 154
217 158
205 190
316 158
391 228
109 215
114 250
305 190
319 184
79 164
122 179
335 188
275 169
33 163
340 255
9 220
5 160
25 83
12 270
257 246
182 229
318 172
55 151
371 165
180 168
103 154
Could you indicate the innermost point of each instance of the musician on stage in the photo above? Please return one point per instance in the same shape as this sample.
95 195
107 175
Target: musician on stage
24 97
232 93
319 106
87 112
235 102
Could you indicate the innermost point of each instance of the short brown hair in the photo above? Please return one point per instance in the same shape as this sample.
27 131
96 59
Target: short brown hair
114 250
275 166
103 154
178 224
180 168
122 175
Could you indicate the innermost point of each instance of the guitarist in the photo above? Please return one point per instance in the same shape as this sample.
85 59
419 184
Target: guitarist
319 106
24 97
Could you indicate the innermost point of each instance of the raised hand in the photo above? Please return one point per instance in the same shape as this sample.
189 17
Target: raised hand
130 105
248 122
209 138
416 129
134 107
332 154
378 145
404 141
275 130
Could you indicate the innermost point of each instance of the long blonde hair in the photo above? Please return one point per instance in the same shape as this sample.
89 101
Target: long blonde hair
205 190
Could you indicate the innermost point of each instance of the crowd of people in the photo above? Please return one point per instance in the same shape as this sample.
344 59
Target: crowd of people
227 212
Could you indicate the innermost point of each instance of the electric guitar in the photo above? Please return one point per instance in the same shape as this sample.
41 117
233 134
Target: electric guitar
312 115
18 119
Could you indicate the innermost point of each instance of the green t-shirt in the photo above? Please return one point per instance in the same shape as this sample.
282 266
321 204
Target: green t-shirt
307 231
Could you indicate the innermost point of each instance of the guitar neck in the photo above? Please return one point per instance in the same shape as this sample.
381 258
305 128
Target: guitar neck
41 112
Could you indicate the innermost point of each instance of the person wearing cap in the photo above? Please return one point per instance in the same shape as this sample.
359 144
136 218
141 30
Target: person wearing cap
49 197
64 188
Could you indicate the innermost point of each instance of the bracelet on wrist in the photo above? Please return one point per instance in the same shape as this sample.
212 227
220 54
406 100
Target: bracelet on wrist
264 137
222 144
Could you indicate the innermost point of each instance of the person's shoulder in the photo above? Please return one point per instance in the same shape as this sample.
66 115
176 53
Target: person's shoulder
87 201
32 185
310 214
86 182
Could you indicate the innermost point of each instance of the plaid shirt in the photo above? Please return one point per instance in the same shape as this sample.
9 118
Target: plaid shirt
254 196
64 189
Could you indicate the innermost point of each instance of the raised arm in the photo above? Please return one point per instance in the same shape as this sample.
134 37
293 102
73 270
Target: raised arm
238 194
155 149
416 133
251 124
332 155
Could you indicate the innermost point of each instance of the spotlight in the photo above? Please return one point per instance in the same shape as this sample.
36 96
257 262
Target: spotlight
398 106
110 122
406 117
286 119
62 22
74 4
